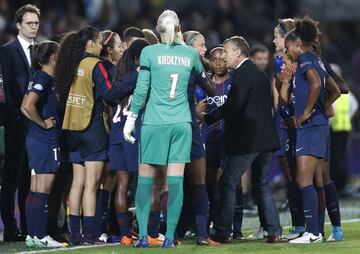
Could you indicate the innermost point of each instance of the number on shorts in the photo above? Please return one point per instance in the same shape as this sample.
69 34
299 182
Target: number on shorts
55 153
174 79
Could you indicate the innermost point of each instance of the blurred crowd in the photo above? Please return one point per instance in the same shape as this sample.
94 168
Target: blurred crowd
216 19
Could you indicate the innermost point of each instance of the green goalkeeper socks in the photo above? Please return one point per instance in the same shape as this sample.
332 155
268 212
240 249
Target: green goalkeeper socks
143 203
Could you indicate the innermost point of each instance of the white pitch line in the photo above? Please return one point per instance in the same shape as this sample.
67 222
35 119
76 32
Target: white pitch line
115 244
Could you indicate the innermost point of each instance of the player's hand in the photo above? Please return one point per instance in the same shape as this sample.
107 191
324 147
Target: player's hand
290 122
129 128
202 106
303 118
288 71
50 123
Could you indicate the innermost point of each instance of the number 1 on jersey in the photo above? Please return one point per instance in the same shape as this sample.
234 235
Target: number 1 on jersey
174 79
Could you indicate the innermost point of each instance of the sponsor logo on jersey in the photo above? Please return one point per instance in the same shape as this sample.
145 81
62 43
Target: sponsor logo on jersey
174 60
217 100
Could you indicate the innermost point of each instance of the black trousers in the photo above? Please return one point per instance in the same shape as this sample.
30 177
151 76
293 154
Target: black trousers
15 176
338 161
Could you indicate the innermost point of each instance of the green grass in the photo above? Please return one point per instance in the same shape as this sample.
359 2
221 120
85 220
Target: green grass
351 244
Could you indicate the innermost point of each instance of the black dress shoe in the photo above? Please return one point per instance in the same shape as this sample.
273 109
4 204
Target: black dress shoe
238 236
13 237
274 239
222 238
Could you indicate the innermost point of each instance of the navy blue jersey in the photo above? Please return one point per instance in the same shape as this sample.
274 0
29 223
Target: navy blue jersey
194 81
213 132
111 69
300 84
120 112
47 106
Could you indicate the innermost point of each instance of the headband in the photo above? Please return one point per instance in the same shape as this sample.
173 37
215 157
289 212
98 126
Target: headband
108 39
215 48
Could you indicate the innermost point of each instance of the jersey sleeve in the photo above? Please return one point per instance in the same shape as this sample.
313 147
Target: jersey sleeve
305 63
198 67
109 91
38 86
143 82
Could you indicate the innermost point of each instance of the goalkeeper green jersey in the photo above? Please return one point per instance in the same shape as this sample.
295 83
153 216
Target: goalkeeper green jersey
162 83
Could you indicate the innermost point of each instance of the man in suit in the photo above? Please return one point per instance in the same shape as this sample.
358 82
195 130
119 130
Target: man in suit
15 58
250 139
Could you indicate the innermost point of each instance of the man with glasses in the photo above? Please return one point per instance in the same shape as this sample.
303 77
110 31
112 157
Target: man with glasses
15 60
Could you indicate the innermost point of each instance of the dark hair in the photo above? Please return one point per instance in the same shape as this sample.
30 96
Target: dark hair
150 36
240 43
127 60
70 55
108 42
216 47
306 29
132 32
258 48
42 52
19 14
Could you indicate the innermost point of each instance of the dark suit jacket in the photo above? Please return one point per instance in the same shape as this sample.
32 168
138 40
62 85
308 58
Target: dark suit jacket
16 74
249 124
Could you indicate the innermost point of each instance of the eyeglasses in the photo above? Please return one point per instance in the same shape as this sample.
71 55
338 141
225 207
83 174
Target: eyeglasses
31 24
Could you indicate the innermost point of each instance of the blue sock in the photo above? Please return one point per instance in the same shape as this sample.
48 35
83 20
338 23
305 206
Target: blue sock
89 228
296 205
40 212
310 204
123 222
29 213
239 211
102 210
332 204
75 235
154 224
200 202
321 208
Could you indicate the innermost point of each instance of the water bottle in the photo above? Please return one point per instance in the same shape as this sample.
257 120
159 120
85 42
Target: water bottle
278 63
199 94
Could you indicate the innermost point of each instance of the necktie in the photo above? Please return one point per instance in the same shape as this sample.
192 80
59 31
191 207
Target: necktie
31 53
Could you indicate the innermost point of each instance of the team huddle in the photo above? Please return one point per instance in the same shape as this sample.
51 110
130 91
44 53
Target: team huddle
157 113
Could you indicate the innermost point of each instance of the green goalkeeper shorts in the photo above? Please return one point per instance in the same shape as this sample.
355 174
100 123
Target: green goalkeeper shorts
164 144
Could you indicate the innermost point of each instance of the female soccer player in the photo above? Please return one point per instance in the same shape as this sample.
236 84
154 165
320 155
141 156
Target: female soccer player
311 120
112 50
40 105
82 83
166 129
285 156
197 166
123 157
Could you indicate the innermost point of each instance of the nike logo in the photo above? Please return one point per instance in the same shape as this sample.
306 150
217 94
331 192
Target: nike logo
314 240
297 150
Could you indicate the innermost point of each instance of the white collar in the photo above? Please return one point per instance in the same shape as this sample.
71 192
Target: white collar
241 62
24 43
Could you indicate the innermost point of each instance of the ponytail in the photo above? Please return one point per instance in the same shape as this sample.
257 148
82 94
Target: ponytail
71 51
168 26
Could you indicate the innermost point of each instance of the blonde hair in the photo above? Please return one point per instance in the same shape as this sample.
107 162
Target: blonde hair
285 26
168 25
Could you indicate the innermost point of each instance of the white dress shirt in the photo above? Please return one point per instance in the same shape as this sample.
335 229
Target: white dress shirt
25 45
241 62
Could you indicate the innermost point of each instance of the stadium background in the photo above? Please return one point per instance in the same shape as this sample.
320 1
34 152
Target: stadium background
217 20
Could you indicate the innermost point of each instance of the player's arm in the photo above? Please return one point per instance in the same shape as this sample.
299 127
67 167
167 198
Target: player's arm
28 108
340 82
206 83
314 90
333 92
142 84
116 91
282 82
